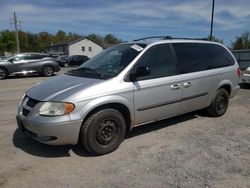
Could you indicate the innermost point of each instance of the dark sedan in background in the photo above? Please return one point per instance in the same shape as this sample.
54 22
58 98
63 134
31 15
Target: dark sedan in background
27 63
75 60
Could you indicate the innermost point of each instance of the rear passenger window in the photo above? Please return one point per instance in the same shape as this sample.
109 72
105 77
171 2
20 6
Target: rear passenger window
34 56
192 57
220 57
159 60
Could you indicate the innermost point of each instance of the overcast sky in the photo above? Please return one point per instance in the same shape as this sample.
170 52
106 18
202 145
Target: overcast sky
130 19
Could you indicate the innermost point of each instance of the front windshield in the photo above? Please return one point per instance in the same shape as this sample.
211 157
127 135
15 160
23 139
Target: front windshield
108 63
10 58
15 57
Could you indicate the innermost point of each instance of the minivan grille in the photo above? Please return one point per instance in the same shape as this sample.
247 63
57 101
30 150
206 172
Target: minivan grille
31 103
25 112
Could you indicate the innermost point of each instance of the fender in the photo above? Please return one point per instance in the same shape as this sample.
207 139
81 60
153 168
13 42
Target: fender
224 82
93 104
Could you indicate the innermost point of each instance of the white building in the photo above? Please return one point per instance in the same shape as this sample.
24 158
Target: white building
82 46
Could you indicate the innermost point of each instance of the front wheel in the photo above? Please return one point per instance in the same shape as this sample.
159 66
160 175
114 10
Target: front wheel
219 104
103 131
48 71
3 73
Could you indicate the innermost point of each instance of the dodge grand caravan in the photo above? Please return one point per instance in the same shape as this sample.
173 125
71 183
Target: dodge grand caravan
126 86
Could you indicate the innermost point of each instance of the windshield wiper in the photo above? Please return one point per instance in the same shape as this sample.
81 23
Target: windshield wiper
84 71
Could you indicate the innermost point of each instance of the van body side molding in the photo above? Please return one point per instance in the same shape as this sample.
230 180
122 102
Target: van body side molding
171 102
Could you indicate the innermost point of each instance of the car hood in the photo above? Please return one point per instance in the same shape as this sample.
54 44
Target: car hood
60 87
3 62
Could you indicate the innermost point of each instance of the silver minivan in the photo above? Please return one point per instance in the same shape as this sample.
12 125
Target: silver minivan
126 86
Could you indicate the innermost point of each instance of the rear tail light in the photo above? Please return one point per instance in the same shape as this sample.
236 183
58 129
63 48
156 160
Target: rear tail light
238 72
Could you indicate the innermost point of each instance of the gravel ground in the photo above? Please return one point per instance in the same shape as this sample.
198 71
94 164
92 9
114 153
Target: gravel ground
191 150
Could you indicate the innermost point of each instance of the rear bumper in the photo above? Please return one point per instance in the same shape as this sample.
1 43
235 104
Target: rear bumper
234 91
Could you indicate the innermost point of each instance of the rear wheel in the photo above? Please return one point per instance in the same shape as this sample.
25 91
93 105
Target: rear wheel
48 71
219 104
103 131
3 73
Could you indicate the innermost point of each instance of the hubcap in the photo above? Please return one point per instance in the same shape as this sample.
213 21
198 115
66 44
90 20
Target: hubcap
107 132
221 102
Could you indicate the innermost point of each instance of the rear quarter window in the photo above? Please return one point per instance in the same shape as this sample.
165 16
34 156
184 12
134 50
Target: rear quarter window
194 57
220 57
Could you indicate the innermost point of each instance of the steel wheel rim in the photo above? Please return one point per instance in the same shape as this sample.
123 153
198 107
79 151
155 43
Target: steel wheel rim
107 132
221 102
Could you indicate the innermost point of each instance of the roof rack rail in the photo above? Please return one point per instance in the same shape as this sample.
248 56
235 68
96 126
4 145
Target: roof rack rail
168 38
153 37
192 38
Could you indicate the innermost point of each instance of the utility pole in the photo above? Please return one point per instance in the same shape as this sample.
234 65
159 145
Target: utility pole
17 37
26 38
212 21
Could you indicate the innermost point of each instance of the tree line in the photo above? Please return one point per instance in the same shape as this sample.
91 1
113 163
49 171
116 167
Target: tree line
31 42
38 42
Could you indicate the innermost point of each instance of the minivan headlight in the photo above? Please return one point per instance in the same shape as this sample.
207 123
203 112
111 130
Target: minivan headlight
55 108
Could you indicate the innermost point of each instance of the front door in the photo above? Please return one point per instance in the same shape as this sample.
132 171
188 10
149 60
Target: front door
157 96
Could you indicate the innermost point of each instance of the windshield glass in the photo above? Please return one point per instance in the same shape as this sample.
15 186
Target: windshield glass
109 62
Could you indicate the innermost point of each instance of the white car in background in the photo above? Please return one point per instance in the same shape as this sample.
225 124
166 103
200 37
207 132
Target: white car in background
245 77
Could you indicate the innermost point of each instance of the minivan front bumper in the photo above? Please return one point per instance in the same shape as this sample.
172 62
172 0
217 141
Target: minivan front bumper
52 134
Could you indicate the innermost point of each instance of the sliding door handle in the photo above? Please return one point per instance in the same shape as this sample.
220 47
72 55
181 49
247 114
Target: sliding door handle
187 84
175 86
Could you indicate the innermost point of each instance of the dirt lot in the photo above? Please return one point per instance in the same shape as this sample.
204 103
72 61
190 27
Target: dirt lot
192 150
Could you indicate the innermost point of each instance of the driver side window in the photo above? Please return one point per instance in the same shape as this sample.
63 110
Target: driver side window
16 59
159 61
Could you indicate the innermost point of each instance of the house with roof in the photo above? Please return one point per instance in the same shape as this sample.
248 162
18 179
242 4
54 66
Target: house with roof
82 46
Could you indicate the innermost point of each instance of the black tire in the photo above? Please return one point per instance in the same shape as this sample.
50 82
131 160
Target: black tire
48 71
103 131
219 104
3 73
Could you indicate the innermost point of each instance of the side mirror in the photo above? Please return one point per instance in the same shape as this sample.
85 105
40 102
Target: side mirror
140 72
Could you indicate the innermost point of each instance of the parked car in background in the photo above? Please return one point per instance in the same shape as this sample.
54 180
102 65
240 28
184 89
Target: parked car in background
245 76
75 60
27 63
243 58
126 86
62 59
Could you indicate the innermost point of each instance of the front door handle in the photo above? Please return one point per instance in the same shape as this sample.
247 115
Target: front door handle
187 84
175 86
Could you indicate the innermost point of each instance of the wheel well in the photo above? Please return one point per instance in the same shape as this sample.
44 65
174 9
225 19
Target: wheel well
48 65
227 88
117 106
5 69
